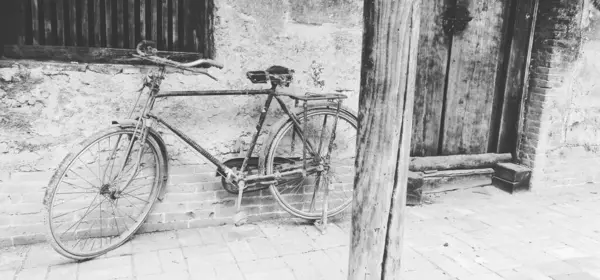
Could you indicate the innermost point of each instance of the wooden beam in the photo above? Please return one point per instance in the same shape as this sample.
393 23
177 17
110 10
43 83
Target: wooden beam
458 162
86 54
388 76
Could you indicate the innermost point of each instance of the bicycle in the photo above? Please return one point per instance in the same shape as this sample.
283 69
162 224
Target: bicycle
129 171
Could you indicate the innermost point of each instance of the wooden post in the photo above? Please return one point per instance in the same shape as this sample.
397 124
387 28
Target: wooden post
388 75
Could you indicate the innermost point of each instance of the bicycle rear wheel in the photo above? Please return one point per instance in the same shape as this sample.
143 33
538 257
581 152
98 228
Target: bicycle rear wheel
302 196
100 196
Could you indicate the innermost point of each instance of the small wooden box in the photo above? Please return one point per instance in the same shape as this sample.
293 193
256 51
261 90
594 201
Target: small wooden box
512 172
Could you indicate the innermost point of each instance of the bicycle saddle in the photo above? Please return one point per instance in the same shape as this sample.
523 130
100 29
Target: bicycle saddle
275 74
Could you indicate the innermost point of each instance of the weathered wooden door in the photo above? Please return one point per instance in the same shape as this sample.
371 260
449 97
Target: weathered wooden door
460 65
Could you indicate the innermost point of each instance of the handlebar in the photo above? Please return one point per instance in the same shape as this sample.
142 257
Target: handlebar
146 50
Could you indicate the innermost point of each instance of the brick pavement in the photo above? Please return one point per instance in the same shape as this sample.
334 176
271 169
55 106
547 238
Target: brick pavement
474 234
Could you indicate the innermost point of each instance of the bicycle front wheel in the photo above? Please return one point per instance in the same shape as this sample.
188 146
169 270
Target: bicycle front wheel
303 196
101 193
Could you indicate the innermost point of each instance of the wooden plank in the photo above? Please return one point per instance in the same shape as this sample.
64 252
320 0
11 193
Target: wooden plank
131 23
207 26
175 32
120 40
60 23
97 22
388 75
108 17
27 17
143 31
165 25
85 54
519 47
73 24
35 24
85 23
21 21
10 16
154 20
472 79
202 24
434 45
188 31
49 10
195 14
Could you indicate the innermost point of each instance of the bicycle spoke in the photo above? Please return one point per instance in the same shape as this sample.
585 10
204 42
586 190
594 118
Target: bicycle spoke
100 225
113 154
79 187
131 191
131 203
115 219
315 191
83 179
74 192
98 161
88 232
322 135
135 197
63 214
138 178
88 168
134 220
84 215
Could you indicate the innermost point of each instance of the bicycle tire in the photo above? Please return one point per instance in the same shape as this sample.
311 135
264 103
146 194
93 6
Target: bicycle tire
270 151
158 154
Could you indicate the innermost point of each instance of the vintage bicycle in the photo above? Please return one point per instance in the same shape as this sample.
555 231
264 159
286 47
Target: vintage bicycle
103 191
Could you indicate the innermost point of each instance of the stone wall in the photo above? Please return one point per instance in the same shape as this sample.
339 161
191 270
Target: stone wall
562 114
45 108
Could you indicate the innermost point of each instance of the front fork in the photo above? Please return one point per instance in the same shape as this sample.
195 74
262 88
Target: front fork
140 132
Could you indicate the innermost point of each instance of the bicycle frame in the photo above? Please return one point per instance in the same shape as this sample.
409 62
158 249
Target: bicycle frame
271 94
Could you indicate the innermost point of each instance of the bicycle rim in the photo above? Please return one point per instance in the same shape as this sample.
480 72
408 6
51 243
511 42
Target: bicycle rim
101 196
301 196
